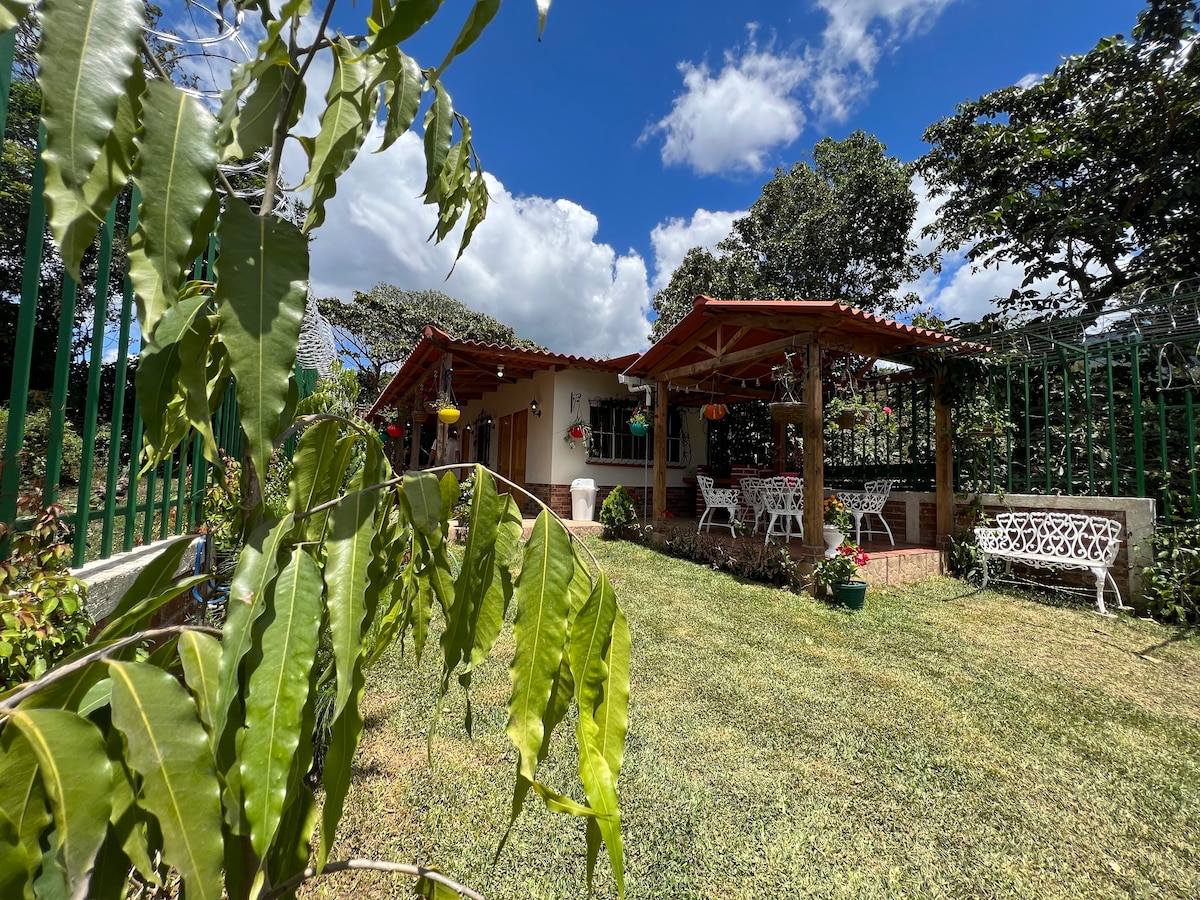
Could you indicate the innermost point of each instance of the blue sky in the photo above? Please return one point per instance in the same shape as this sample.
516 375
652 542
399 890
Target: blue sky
634 131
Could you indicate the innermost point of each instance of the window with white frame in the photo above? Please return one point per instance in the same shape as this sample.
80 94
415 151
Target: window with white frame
613 442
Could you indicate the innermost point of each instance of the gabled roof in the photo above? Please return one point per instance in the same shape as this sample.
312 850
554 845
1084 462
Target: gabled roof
475 366
743 339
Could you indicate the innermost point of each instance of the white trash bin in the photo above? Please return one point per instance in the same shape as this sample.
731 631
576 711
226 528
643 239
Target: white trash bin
583 499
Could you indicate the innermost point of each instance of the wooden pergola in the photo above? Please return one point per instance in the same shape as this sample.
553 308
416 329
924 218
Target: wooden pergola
730 347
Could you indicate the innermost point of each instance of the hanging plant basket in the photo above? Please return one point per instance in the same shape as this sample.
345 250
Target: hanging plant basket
395 431
638 428
448 414
714 411
576 432
788 413
420 416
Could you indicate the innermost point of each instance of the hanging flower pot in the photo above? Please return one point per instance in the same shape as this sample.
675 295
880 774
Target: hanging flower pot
395 431
576 432
448 414
420 416
714 411
638 428
788 412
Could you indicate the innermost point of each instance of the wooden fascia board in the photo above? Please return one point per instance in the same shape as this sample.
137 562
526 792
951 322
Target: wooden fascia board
751 353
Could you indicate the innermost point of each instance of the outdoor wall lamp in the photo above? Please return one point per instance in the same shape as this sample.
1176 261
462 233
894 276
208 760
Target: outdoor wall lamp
500 370
535 408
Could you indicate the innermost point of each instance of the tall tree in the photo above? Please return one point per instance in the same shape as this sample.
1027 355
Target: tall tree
835 228
1090 177
380 327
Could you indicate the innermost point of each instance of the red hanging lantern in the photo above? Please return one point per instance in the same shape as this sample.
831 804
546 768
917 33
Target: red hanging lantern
395 431
714 411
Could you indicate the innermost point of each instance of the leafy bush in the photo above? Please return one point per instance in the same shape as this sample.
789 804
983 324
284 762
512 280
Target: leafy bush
36 446
618 515
841 567
964 559
765 563
43 618
1172 580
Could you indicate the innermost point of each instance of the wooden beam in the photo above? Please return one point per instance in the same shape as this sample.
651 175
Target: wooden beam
732 342
660 451
813 435
943 427
414 454
682 350
726 359
711 351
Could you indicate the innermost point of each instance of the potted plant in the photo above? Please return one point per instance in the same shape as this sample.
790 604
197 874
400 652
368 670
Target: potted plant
837 525
839 575
578 431
446 408
639 421
714 411
788 408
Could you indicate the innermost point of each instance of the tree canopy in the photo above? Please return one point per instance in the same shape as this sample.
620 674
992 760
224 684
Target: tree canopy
381 326
835 228
1091 176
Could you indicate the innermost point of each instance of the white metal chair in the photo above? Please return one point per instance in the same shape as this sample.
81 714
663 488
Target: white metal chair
728 499
781 495
752 490
868 502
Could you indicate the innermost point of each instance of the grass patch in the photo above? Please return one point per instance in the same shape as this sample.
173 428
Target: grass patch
944 742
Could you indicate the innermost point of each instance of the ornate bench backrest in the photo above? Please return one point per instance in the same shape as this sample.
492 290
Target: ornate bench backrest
1089 539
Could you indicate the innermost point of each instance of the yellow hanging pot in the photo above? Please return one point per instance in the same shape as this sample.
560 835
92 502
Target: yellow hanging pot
448 414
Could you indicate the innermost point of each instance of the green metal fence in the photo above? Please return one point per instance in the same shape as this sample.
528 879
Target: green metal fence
82 371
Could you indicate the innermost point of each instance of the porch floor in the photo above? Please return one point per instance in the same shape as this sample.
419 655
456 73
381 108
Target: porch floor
889 564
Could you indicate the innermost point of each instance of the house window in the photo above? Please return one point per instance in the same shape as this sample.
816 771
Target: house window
613 442
483 438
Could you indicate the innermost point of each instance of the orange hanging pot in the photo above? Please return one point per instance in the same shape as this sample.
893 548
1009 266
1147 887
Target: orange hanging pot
714 411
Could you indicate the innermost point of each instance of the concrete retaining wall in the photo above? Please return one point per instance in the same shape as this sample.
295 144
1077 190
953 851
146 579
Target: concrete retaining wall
109 579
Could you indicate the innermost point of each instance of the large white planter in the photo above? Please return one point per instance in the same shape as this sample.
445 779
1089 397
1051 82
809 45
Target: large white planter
833 540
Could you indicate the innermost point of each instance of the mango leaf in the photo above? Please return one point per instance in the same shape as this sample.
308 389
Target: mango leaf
319 466
350 105
138 618
401 94
254 126
348 552
86 60
65 745
590 635
612 715
475 577
423 501
200 655
478 19
344 735
175 167
170 750
405 18
539 633
127 823
277 694
16 871
22 800
439 120
272 51
76 216
256 570
262 283
490 615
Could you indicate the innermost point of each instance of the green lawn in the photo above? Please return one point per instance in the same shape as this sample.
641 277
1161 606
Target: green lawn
944 742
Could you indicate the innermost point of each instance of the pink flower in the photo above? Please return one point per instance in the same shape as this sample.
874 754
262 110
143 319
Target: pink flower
887 410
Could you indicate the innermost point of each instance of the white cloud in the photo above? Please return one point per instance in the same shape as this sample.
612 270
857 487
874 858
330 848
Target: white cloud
534 264
672 240
733 120
1030 80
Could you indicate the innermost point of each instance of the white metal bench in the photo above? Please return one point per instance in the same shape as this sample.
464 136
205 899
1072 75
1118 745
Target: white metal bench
1056 540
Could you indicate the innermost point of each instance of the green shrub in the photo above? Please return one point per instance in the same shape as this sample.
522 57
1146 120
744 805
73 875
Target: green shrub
964 558
618 515
36 446
1172 580
43 617
764 563
462 509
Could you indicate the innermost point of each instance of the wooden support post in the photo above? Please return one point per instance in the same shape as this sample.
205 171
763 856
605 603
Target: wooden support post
813 435
943 428
414 455
445 389
660 451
